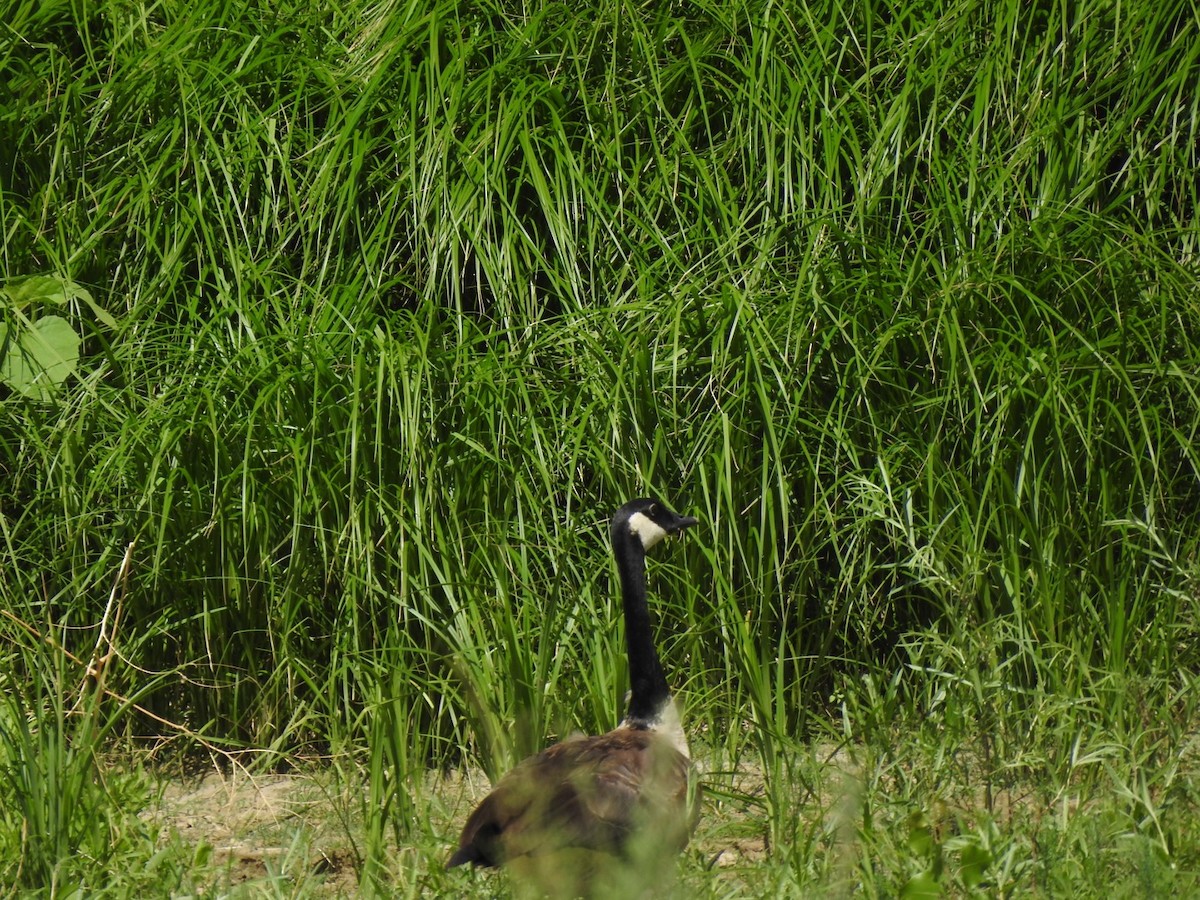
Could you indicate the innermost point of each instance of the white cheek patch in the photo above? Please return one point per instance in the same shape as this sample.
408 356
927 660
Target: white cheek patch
647 530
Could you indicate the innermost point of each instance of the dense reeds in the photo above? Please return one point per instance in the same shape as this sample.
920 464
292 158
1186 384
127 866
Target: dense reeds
393 303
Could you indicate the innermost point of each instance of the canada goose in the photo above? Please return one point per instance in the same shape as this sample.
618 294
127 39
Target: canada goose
618 805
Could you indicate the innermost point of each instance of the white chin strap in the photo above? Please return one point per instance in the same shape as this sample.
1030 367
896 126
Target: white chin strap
647 530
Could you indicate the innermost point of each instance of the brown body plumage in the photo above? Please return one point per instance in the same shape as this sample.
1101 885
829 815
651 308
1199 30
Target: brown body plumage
585 793
603 814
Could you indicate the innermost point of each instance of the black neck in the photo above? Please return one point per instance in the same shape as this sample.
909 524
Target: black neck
648 689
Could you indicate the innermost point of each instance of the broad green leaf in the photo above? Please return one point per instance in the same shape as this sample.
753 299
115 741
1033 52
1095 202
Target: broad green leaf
40 358
19 293
103 315
35 289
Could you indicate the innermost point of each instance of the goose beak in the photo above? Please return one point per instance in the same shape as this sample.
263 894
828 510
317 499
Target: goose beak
683 522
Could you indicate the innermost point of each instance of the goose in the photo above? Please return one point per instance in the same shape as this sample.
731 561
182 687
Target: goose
589 813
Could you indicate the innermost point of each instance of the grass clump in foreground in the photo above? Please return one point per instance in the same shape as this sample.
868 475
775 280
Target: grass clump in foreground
382 308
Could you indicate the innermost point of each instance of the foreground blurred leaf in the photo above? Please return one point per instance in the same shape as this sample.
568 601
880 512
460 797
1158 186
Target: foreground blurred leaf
921 886
975 862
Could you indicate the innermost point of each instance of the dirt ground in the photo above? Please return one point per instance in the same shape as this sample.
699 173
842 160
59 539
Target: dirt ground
261 826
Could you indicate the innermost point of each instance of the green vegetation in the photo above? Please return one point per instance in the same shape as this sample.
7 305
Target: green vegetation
332 333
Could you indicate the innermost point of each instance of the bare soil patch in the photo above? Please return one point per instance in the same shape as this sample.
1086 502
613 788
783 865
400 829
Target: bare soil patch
261 827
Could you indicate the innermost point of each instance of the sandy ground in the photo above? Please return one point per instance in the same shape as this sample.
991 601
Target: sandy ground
260 826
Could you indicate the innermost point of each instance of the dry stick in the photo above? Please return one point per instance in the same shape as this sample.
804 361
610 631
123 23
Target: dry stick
96 667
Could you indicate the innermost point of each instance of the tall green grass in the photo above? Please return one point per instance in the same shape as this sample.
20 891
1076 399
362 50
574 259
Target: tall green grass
901 301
